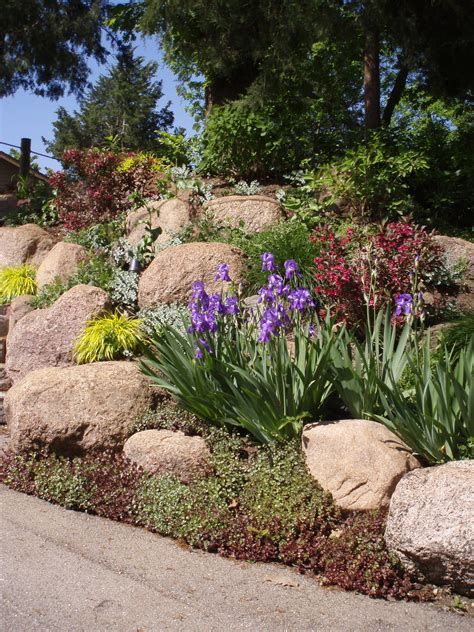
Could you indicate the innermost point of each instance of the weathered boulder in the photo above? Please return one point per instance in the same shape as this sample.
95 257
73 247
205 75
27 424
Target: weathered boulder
24 244
430 524
46 337
167 452
77 409
359 461
4 320
169 215
457 249
61 262
20 306
257 212
170 276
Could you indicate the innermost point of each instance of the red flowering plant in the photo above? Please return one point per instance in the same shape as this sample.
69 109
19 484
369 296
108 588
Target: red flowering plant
362 269
96 185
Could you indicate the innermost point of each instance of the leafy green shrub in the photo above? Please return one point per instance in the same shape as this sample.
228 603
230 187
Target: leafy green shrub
97 238
438 423
97 272
241 140
48 294
287 240
16 281
108 337
371 180
35 204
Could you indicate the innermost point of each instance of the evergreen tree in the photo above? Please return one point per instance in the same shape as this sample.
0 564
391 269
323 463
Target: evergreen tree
44 44
122 106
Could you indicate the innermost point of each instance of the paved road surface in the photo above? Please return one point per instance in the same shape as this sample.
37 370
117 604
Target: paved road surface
66 571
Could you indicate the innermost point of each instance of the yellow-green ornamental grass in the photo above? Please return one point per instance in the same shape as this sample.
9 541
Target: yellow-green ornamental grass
16 281
109 337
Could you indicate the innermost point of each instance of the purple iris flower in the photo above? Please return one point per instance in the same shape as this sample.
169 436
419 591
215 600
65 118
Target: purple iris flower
222 273
300 299
266 295
216 305
291 269
198 289
312 331
268 262
202 344
232 305
273 319
266 331
276 282
198 323
404 304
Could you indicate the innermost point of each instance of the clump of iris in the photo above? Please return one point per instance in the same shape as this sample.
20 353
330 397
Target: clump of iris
281 300
205 308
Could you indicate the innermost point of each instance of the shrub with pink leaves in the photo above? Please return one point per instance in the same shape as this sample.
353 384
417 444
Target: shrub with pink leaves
361 268
96 185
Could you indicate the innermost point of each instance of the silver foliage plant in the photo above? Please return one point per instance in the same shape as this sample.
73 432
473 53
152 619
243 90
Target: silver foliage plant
124 289
162 315
250 188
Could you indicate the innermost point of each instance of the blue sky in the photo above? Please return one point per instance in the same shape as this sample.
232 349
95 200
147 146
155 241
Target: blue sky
26 115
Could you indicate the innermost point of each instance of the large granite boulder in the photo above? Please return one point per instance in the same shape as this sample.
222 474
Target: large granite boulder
456 249
24 244
20 306
46 337
359 461
167 452
78 409
61 262
169 215
170 276
256 212
430 524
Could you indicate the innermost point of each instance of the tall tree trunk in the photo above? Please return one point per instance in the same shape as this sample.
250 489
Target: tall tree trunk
372 79
396 94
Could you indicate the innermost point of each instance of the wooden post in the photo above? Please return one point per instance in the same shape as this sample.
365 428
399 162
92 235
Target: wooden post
25 157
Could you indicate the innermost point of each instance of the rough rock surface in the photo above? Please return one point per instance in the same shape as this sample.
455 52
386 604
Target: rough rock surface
456 249
359 461
73 410
257 212
24 244
167 452
169 215
62 261
430 524
20 306
46 337
170 276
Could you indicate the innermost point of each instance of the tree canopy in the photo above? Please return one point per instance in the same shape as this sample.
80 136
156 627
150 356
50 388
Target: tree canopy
122 106
45 44
242 46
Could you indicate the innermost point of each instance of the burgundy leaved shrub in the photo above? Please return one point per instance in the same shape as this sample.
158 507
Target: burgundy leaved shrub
360 268
96 185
